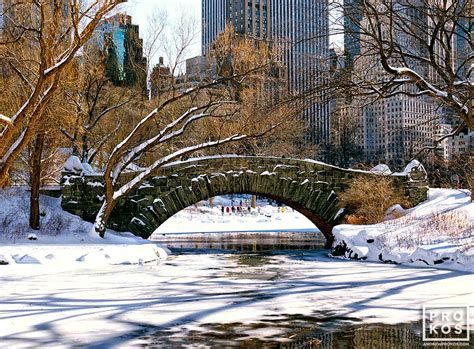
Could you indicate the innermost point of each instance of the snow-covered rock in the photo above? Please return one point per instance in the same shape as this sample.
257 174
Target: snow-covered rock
381 169
25 259
74 164
394 212
32 236
414 164
4 260
436 233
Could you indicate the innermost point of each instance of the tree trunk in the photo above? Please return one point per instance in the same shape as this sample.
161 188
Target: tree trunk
85 149
211 202
103 216
36 181
471 188
254 201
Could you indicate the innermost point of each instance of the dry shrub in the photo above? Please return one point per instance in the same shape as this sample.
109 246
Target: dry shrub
451 224
355 220
437 227
367 199
55 225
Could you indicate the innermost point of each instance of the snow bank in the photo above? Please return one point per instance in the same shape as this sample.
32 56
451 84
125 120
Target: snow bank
74 164
438 232
71 255
381 169
64 239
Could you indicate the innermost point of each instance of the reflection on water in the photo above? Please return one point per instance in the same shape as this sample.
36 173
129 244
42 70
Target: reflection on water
298 331
243 242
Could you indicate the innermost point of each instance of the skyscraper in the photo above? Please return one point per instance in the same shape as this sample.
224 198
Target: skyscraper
119 39
464 35
397 127
299 28
1 16
214 17
352 16
250 17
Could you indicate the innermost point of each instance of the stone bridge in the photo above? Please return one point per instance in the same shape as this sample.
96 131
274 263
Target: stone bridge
309 187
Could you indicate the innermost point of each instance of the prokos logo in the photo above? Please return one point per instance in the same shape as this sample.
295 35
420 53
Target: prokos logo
445 323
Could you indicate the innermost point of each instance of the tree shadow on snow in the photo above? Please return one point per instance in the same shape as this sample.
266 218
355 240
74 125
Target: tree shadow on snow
61 306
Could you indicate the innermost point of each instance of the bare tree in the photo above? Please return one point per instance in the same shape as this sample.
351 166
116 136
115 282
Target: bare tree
415 48
94 98
344 148
189 120
52 33
154 35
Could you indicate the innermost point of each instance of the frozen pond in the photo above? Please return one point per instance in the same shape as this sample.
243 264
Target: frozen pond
225 295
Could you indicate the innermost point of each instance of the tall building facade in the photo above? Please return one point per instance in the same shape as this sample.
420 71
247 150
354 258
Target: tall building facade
352 16
160 78
397 127
299 28
214 19
250 17
464 35
2 15
119 39
459 145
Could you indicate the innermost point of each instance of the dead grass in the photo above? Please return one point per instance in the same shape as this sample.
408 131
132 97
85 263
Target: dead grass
409 232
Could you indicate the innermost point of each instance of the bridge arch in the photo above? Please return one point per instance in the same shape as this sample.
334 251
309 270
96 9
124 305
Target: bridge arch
309 187
318 204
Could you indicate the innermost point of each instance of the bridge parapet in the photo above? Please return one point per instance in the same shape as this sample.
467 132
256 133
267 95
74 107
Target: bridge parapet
308 186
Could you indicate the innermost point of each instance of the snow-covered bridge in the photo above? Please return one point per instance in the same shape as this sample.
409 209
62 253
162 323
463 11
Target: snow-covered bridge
310 187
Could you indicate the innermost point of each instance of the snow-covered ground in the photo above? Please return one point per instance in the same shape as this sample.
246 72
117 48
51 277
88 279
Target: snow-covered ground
265 218
438 232
64 239
50 306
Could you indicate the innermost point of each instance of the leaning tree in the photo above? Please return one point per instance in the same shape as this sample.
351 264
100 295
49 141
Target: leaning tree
192 117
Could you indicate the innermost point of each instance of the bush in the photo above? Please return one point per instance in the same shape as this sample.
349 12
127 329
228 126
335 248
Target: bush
367 199
55 225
